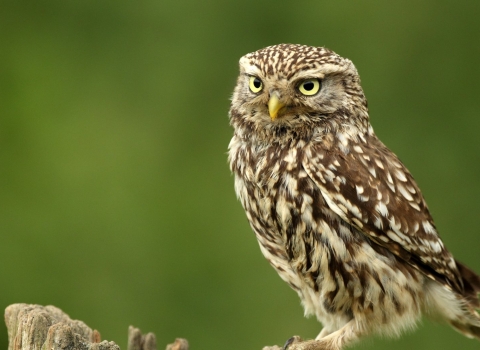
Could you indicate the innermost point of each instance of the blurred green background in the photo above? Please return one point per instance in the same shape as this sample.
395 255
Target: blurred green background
116 202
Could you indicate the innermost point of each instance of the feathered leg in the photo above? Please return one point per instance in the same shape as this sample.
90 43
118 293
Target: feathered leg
333 341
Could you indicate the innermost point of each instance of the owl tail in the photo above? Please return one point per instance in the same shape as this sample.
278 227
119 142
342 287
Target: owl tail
468 330
469 325
471 285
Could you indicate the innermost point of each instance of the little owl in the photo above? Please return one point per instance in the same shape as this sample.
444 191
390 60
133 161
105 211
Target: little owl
335 212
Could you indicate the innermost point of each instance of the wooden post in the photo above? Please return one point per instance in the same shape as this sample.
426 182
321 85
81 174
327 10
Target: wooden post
36 327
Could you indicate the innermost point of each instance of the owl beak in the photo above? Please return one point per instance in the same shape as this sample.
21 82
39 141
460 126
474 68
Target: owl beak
274 106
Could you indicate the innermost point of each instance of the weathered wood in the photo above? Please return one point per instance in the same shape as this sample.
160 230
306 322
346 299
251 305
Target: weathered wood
36 327
179 344
138 341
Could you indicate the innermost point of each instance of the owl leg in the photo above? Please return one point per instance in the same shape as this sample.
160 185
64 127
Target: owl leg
333 341
323 333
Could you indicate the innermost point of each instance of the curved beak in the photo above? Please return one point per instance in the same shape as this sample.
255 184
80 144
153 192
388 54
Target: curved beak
274 105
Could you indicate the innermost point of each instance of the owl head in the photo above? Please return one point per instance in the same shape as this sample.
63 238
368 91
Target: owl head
295 90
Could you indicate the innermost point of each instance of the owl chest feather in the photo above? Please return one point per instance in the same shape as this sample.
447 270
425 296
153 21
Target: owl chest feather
268 185
323 258
283 207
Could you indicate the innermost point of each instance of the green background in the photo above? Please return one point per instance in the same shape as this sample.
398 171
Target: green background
116 202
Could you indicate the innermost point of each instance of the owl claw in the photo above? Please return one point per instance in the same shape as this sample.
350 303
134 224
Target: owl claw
293 340
296 343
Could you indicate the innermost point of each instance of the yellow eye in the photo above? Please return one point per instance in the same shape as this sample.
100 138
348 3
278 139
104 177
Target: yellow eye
309 87
256 84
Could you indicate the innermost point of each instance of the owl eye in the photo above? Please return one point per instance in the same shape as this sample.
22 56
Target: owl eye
309 87
256 84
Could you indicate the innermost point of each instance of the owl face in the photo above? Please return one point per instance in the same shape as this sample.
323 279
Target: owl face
293 85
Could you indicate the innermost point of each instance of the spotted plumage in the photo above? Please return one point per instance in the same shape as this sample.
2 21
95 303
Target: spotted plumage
335 212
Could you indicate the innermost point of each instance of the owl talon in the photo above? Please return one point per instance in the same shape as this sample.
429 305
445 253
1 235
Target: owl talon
293 340
296 343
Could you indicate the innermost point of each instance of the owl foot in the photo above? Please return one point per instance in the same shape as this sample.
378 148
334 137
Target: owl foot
296 343
293 340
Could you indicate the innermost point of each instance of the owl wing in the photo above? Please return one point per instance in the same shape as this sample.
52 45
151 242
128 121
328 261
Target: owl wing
368 187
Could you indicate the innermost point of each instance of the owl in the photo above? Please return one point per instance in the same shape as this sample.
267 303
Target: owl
335 212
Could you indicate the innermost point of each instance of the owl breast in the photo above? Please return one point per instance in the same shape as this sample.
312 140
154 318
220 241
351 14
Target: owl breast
283 206
324 259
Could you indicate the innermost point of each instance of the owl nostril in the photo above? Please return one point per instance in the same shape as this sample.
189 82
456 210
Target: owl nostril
274 92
